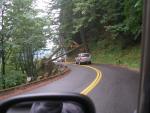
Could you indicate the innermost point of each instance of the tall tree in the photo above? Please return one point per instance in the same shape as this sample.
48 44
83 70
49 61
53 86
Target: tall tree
22 35
84 19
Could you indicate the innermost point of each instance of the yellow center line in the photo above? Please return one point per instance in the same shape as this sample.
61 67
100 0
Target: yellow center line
90 87
98 78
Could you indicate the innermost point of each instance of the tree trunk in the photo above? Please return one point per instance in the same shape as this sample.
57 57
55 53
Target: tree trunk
3 52
3 65
82 35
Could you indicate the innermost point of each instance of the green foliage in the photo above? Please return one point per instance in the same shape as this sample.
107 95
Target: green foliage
22 32
107 52
124 18
27 36
21 36
14 78
84 11
121 18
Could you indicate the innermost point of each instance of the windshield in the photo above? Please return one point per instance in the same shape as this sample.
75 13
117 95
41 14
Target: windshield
42 43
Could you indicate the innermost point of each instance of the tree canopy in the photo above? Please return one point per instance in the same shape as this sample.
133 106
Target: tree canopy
81 20
21 36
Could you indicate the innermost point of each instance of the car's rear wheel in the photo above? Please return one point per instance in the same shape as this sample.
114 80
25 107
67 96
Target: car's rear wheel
90 62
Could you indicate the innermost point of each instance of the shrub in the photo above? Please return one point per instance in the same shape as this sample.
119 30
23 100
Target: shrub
13 78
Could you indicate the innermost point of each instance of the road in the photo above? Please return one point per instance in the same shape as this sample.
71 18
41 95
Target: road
115 92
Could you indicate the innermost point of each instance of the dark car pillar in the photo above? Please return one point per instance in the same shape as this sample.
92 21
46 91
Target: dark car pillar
144 93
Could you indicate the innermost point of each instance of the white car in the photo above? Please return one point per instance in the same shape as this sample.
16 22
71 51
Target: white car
83 58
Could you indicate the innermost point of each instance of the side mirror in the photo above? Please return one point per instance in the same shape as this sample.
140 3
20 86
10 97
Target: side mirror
48 103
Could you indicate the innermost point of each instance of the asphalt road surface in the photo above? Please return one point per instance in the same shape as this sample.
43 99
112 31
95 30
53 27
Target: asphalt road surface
116 91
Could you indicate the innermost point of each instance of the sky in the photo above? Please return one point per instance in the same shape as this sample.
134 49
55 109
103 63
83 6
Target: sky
42 4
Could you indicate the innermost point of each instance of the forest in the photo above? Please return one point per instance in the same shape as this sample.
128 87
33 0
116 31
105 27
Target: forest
109 29
22 34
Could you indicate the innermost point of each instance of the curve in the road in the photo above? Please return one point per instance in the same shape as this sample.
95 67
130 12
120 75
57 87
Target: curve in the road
96 81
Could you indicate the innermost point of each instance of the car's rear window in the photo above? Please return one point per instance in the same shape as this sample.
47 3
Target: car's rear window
85 55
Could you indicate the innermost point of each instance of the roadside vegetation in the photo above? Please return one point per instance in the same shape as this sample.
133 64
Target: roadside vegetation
23 34
129 57
109 29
